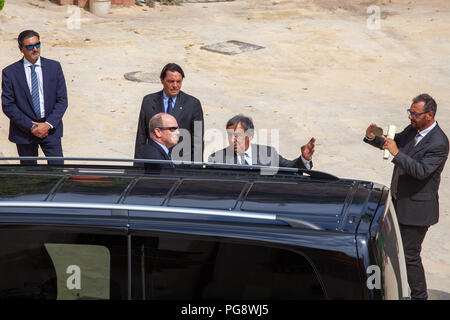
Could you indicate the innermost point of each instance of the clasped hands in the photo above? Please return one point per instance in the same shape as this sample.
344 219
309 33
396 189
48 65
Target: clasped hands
42 129
389 143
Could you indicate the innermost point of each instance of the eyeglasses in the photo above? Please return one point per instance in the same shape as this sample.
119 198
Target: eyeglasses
415 114
236 134
31 46
172 129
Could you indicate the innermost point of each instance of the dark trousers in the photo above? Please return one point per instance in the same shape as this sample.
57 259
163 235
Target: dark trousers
412 238
50 146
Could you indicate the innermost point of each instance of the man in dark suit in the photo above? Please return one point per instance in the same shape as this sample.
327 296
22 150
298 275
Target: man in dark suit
186 109
240 151
34 97
164 134
420 152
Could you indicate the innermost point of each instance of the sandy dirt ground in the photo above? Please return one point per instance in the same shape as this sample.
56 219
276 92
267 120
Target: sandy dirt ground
326 71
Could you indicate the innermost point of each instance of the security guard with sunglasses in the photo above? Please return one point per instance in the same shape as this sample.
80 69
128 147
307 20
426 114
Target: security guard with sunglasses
34 98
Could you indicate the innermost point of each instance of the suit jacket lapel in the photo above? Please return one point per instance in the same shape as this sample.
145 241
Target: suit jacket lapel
24 84
226 155
159 103
424 142
178 107
255 153
161 150
44 69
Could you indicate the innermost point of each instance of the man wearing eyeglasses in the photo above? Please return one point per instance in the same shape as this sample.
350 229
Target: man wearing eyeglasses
171 100
419 154
34 98
164 134
240 151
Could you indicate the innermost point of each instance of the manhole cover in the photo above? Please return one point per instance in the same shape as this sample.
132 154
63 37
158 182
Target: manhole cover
140 76
231 47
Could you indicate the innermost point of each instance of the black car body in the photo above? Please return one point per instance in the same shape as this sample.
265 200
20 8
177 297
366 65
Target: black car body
200 231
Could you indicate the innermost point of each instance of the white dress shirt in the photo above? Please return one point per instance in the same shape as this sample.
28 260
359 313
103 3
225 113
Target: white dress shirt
247 156
421 134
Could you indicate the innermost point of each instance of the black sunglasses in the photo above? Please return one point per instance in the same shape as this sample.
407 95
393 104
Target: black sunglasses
172 129
31 46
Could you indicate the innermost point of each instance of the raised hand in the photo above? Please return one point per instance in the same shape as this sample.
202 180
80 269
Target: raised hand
308 149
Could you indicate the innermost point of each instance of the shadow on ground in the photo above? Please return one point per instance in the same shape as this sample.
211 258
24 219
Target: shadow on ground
438 295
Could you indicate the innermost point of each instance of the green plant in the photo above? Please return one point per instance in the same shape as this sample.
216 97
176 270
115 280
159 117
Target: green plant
2 4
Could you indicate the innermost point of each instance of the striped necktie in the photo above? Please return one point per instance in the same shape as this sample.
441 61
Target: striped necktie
397 170
35 92
169 106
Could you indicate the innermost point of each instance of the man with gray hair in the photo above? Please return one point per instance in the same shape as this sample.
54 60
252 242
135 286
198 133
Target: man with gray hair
240 130
164 134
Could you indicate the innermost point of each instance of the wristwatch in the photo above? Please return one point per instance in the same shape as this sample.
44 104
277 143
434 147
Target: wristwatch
33 126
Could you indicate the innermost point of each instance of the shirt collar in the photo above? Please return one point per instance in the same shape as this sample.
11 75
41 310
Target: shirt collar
27 63
249 150
166 97
423 133
163 146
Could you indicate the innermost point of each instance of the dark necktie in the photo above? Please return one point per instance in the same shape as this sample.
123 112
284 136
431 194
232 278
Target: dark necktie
35 92
169 106
397 169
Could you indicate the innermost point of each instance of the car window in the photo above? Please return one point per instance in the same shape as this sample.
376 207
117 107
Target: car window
52 264
177 267
308 198
151 192
208 194
28 187
91 189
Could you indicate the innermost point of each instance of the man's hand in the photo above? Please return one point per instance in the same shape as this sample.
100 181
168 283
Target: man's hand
390 145
308 149
42 129
370 132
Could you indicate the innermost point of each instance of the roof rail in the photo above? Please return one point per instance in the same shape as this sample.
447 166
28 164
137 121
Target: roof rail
122 209
267 170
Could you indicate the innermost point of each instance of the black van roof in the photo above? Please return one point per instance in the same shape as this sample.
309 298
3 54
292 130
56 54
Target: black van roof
300 198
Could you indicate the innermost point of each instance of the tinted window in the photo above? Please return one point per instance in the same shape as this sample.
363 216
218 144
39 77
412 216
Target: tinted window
92 189
27 187
207 194
150 192
53 264
314 198
185 268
